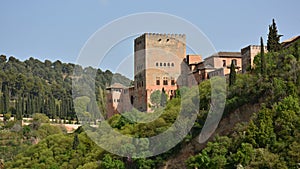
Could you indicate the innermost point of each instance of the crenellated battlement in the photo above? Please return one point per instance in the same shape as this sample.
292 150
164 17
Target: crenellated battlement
179 37
160 36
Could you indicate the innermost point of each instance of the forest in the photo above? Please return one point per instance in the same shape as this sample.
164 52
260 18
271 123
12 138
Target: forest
33 86
269 139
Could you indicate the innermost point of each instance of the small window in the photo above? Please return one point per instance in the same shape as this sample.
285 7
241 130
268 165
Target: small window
165 81
168 40
160 64
118 100
172 81
157 81
165 64
159 40
234 62
224 63
156 63
172 64
169 64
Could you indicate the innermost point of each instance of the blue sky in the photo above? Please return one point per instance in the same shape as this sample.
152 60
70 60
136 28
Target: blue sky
58 29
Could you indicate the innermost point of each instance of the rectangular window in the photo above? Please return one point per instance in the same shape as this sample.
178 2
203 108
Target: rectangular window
172 81
157 81
234 62
224 63
165 81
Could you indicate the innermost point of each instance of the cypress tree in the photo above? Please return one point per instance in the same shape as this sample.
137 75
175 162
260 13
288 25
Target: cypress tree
262 58
163 100
18 106
296 51
273 44
5 98
232 75
75 141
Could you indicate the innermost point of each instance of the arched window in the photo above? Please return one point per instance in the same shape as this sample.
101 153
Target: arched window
172 64
156 63
169 64
165 64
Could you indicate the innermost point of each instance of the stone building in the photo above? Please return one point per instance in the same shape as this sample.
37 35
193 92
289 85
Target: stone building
216 65
289 42
158 64
119 99
248 54
161 63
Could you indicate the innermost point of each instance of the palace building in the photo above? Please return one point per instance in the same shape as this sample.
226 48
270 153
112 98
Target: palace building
161 63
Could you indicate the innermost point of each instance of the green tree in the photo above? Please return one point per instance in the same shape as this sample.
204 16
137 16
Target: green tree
232 75
155 98
5 97
262 57
75 142
108 162
163 100
273 44
38 119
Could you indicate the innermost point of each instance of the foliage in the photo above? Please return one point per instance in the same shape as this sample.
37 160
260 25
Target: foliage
46 87
155 98
262 57
232 75
271 138
273 44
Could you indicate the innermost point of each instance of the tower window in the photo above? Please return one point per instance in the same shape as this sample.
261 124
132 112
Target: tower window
156 63
165 64
172 64
224 63
172 81
160 64
157 81
169 64
165 81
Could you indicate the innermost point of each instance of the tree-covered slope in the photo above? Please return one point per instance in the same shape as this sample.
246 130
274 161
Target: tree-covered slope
45 87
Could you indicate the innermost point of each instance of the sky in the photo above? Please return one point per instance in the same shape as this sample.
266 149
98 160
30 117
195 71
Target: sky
59 29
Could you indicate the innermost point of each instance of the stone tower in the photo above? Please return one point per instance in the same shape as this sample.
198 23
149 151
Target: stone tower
158 64
248 53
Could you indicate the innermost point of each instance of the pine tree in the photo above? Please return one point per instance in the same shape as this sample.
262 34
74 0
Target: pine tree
273 44
232 75
262 57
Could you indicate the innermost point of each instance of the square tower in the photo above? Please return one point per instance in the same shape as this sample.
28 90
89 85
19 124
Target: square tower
248 54
158 64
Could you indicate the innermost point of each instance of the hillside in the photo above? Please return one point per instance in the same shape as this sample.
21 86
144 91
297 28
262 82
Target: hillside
260 126
45 87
